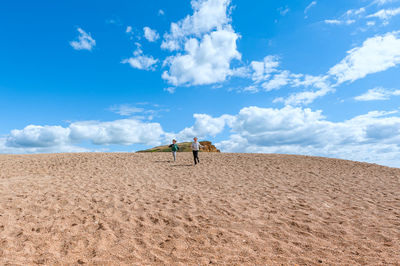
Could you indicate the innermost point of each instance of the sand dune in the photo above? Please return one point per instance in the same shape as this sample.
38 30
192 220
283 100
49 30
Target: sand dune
231 209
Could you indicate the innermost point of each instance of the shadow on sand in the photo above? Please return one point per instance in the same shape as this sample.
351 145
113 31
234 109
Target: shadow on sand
181 165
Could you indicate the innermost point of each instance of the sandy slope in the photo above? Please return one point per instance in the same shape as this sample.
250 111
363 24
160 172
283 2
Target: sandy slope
234 209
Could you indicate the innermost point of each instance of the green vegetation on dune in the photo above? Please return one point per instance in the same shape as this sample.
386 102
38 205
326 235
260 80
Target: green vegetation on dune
184 147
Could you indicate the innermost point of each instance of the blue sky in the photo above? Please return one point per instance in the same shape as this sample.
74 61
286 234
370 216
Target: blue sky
298 77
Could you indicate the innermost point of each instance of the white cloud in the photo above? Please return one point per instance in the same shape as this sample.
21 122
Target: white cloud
34 138
283 10
313 3
320 83
126 109
305 97
140 61
377 94
263 69
356 12
170 44
121 132
383 2
385 14
171 90
373 137
242 72
138 113
275 79
251 89
353 15
350 17
208 15
205 43
38 136
128 29
339 22
4 148
204 62
278 81
375 55
85 41
150 35
204 126
264 125
161 12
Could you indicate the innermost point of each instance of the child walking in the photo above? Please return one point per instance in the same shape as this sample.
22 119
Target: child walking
174 148
195 148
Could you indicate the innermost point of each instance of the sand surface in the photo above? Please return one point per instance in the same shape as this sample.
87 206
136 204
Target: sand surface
248 209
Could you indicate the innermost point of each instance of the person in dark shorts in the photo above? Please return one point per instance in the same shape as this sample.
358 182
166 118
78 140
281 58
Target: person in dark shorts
195 148
174 148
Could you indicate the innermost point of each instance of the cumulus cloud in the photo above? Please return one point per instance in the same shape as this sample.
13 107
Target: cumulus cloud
150 35
262 69
251 89
278 81
35 138
122 132
204 62
206 45
376 94
262 126
38 136
204 126
140 61
375 55
207 15
321 87
84 42
267 76
5 148
373 137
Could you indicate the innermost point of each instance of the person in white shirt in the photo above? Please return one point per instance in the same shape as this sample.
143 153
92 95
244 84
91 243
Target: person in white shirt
195 148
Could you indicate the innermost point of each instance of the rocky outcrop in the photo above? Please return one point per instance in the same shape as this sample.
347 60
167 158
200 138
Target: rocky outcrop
185 147
208 147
